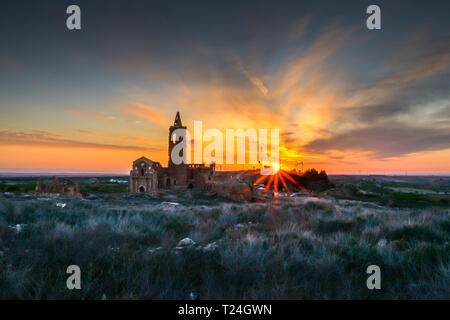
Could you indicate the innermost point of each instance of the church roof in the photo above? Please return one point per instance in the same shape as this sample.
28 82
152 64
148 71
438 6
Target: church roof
143 159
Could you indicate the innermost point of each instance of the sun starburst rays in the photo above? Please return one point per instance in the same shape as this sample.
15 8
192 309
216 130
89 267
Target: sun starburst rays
274 180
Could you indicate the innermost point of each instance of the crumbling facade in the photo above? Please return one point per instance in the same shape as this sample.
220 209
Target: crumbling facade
64 187
144 177
148 175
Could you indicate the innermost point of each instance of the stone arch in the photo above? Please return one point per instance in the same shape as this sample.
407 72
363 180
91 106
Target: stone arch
141 189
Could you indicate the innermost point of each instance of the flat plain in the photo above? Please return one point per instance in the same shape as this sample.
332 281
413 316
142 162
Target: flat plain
180 243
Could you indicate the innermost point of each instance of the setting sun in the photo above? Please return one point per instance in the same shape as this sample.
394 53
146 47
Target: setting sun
276 167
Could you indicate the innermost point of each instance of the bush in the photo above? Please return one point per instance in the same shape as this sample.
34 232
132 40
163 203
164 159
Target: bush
313 180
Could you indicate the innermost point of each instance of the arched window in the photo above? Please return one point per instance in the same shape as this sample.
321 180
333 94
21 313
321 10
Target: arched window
142 171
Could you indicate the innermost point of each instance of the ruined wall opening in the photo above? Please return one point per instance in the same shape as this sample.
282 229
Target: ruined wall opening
141 189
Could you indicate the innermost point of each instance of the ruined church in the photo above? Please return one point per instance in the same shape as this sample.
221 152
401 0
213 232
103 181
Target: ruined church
61 186
147 175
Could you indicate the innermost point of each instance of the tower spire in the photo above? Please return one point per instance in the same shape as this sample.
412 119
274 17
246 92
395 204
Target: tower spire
177 122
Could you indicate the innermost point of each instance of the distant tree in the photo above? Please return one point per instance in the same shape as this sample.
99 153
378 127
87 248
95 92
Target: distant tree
313 180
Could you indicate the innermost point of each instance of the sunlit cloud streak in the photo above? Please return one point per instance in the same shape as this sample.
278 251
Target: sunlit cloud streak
97 115
42 138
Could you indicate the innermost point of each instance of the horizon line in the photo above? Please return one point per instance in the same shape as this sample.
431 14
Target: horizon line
9 174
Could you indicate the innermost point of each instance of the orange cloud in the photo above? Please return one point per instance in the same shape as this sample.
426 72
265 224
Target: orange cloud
45 139
256 81
143 111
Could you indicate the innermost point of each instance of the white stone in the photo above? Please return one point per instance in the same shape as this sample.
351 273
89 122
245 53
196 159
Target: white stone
186 242
211 246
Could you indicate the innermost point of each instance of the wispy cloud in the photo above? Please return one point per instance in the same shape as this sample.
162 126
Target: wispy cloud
300 26
43 138
143 140
97 115
255 80
86 133
384 141
146 112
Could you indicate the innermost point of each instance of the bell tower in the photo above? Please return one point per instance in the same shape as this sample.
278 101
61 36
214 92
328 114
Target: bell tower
174 140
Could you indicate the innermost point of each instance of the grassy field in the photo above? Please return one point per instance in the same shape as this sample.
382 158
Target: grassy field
299 248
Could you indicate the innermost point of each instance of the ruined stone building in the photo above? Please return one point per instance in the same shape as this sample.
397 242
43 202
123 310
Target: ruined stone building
64 187
144 177
147 175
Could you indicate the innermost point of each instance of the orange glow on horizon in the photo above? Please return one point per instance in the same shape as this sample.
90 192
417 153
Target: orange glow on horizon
16 158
